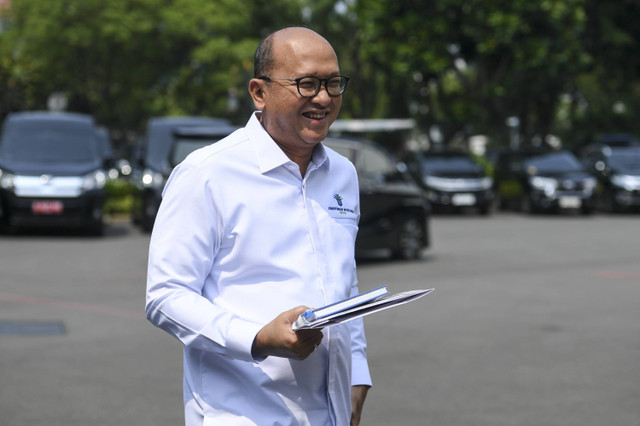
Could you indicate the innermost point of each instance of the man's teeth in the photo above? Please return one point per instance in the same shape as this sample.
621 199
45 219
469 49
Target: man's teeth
315 116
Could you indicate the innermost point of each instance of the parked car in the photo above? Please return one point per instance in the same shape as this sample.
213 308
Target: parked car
539 181
618 172
394 214
618 140
153 164
452 180
51 171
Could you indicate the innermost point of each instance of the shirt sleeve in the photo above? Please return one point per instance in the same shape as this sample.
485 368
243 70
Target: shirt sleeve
360 374
183 244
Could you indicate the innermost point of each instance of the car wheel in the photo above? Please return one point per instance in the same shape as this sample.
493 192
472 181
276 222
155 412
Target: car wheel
525 204
500 203
613 205
486 209
96 229
148 215
410 238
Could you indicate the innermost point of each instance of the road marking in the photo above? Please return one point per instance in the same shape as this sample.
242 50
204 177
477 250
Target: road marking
618 275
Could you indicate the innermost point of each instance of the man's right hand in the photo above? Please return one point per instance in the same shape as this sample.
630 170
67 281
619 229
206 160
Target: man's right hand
278 339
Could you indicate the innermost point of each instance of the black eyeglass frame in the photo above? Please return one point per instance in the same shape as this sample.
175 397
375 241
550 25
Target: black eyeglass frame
320 80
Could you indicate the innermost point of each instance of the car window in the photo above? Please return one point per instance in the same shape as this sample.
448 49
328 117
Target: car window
625 160
375 164
345 152
438 164
159 136
553 162
49 141
182 147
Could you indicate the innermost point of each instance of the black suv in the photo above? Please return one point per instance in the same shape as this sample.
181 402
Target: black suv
51 171
452 180
394 214
153 163
543 181
618 171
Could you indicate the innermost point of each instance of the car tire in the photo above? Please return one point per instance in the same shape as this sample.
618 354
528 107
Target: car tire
96 229
146 224
147 219
526 206
500 203
613 205
410 238
486 209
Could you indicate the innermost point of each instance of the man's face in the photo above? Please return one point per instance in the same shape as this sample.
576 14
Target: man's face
297 123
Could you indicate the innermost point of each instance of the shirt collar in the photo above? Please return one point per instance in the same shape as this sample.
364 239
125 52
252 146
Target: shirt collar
269 154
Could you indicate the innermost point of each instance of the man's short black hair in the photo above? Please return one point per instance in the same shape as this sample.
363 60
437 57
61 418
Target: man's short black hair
263 60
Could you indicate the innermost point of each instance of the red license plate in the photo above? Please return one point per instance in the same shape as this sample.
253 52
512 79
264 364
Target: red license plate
47 207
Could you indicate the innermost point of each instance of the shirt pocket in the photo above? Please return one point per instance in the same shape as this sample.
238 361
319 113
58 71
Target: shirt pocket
348 222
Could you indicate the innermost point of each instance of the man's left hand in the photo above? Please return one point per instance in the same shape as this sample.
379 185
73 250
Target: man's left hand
358 394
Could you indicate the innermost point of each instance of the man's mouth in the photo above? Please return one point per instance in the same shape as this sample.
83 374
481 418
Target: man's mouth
315 115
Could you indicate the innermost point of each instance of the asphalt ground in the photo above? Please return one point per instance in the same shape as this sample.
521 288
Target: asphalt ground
534 321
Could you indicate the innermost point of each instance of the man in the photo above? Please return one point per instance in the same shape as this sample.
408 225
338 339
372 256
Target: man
248 237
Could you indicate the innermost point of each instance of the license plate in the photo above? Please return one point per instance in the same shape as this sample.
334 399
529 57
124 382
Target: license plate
463 199
47 207
569 202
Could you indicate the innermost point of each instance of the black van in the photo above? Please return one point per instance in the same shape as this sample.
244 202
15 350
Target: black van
51 171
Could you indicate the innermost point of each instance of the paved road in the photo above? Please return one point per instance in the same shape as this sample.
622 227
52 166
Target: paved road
534 321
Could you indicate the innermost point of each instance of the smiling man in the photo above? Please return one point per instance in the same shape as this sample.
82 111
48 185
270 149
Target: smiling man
300 93
248 237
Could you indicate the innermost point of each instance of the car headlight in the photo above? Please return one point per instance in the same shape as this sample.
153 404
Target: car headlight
590 183
548 185
94 180
7 180
434 181
628 182
151 178
486 182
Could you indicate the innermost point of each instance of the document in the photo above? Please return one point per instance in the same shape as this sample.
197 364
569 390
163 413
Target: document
355 307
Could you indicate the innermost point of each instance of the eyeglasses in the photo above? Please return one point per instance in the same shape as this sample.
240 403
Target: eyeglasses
309 86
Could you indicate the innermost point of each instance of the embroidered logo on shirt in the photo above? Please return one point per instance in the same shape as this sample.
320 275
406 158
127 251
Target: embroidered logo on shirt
340 209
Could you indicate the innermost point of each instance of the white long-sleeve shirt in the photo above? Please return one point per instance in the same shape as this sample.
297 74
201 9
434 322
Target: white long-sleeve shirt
239 238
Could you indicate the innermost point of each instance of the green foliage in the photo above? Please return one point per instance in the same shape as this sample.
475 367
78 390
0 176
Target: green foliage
120 197
126 61
468 65
568 67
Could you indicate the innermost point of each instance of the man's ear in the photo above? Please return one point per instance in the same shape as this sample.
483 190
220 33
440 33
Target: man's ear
256 89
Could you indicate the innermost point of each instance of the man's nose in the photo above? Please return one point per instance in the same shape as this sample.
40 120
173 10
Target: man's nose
322 97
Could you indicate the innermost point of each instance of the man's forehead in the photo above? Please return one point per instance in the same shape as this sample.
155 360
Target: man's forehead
302 48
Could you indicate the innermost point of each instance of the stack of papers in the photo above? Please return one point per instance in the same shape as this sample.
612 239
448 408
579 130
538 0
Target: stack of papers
355 307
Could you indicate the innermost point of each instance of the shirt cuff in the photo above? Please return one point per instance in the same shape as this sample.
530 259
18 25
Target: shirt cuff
360 374
240 337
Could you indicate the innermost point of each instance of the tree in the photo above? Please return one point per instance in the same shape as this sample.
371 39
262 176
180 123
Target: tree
467 65
124 62
606 97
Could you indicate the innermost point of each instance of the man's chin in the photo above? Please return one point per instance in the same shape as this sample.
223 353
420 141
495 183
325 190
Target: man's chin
315 138
315 135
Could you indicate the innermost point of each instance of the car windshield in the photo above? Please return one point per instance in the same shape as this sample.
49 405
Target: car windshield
185 146
440 164
553 162
49 141
160 136
625 160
